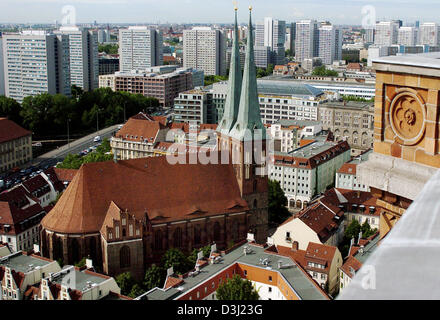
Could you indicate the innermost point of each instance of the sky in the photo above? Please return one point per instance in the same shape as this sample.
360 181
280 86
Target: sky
215 11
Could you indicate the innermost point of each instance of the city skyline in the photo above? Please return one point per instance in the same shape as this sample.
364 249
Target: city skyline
197 11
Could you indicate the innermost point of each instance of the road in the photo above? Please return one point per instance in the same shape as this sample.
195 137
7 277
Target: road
74 147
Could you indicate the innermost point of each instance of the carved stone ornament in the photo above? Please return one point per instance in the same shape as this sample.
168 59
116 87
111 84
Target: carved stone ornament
407 117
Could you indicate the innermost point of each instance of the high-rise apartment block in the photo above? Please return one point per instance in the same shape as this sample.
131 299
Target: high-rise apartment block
2 72
407 36
84 63
305 39
205 48
329 44
140 47
36 62
386 33
429 34
272 34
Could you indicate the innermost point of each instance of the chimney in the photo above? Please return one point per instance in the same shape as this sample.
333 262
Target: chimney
295 246
89 263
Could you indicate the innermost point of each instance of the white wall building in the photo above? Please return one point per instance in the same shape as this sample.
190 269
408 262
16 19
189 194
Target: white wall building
429 34
407 36
2 71
305 39
386 33
205 48
84 63
36 62
140 47
329 44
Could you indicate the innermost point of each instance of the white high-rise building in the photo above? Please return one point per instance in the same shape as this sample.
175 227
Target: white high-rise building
329 44
305 39
205 49
2 71
36 62
140 47
386 33
429 34
407 36
84 61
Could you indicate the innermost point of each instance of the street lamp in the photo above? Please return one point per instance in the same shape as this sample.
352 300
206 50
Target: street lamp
68 133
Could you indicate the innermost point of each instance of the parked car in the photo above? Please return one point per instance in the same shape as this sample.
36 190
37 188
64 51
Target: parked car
97 139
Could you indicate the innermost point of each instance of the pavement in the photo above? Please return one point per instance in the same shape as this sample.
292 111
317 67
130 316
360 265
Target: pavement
74 147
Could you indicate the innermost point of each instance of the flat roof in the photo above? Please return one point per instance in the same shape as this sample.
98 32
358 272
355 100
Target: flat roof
21 262
368 250
80 277
428 60
296 278
348 104
316 83
300 123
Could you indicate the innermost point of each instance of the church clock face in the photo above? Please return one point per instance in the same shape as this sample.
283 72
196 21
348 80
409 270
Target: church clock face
407 117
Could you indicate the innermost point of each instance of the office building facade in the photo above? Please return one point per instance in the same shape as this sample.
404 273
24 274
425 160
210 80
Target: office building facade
84 64
205 49
140 47
36 62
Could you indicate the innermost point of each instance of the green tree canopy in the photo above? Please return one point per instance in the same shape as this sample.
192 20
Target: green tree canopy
237 289
278 211
125 282
136 291
154 277
9 108
324 72
176 259
353 229
109 48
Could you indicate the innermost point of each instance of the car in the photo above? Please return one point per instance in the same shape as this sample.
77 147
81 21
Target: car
97 139
120 126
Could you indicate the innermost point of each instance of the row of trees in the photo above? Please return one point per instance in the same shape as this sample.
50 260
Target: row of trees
49 115
155 276
74 161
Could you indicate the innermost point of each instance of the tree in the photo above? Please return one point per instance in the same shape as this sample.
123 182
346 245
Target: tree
71 161
237 289
366 230
176 259
136 291
109 48
278 212
125 282
353 229
81 263
324 72
154 277
9 108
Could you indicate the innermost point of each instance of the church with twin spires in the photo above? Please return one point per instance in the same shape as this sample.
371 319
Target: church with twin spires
124 215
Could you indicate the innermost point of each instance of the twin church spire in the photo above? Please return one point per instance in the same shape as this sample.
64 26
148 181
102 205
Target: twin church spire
241 117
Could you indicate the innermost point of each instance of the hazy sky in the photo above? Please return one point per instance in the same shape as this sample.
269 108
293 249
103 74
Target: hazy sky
215 11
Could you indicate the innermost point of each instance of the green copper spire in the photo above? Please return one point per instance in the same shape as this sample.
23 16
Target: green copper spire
234 87
249 118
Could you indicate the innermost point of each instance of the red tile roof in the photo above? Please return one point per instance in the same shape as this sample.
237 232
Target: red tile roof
9 130
348 168
151 186
322 219
140 130
65 175
351 263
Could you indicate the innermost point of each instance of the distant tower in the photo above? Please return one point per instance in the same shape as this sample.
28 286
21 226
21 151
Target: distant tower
241 131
